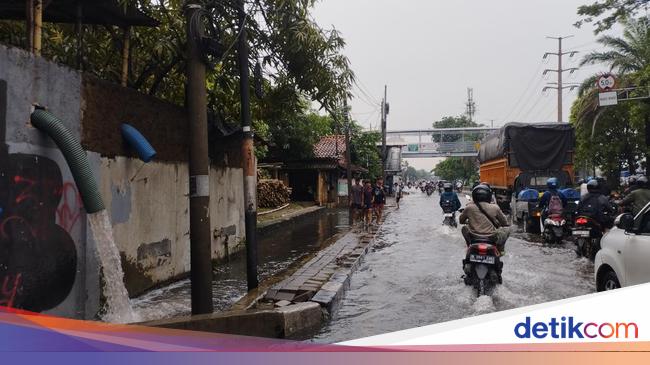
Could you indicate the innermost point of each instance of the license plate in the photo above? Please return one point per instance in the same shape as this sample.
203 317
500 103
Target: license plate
448 215
482 259
581 233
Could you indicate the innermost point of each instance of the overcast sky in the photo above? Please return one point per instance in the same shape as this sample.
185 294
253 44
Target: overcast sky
429 52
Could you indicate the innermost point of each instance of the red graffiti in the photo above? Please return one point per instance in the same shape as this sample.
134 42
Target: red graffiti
9 289
69 210
26 193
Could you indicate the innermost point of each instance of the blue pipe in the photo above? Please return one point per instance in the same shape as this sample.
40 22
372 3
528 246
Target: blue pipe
138 142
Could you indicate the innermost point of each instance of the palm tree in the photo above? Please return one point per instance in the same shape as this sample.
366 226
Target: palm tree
628 54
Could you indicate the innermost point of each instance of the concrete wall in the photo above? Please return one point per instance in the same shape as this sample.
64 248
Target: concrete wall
48 261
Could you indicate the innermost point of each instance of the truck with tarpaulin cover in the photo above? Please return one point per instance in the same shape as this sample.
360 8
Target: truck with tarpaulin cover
519 158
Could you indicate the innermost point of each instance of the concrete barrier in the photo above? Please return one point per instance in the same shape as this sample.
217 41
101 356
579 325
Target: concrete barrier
295 321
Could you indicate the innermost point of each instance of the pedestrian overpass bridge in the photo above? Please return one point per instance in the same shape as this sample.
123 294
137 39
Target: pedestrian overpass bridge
439 142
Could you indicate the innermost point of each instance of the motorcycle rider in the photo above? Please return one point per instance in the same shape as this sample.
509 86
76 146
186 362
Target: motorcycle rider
631 185
553 201
596 206
483 219
449 198
638 198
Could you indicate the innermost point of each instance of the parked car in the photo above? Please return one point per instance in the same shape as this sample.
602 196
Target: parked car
625 252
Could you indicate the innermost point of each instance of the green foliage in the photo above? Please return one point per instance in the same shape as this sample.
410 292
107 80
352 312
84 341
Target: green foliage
461 121
453 168
365 152
605 13
412 174
457 168
612 138
294 138
302 62
628 54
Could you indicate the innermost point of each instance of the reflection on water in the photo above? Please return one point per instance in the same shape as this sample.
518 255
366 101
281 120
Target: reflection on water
278 249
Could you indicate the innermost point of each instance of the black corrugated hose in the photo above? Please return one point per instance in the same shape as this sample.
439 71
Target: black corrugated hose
74 155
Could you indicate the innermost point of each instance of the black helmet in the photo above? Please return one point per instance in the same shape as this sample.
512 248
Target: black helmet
593 186
447 187
632 180
482 193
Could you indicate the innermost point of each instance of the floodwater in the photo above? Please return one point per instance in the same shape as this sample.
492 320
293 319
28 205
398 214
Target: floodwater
277 251
412 276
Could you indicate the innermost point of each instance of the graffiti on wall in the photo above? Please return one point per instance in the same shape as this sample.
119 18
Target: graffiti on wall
38 258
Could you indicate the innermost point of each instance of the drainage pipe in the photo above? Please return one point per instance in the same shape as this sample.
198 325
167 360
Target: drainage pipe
138 142
74 155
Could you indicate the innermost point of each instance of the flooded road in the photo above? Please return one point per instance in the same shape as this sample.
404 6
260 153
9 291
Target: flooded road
278 249
412 276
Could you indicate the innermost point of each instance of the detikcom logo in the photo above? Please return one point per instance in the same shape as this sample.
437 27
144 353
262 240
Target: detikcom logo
568 327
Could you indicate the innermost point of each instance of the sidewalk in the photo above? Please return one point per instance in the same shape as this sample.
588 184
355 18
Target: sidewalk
266 223
293 307
325 278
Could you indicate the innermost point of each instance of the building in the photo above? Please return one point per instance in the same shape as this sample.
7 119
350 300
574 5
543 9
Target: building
321 179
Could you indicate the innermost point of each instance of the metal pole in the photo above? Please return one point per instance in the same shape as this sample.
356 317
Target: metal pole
348 162
248 153
200 243
383 136
559 81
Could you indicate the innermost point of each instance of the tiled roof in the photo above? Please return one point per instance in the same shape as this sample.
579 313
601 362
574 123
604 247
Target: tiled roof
330 147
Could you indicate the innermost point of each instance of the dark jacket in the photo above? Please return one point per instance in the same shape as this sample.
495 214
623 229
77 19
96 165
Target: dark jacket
596 206
452 197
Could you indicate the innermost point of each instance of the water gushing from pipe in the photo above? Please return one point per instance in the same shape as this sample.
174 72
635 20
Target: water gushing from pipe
118 304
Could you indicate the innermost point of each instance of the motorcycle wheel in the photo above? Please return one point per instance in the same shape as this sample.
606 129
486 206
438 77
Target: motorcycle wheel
592 251
586 249
481 289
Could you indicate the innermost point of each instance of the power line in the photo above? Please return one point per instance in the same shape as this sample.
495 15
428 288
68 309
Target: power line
521 97
362 87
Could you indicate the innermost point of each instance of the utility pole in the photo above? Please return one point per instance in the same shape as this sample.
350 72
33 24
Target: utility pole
470 106
248 154
384 113
559 86
200 243
348 160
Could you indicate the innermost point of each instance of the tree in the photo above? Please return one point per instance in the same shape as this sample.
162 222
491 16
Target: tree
301 62
606 13
461 121
365 152
611 138
412 174
457 168
628 54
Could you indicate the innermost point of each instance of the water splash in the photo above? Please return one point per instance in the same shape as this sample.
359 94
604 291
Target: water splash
118 305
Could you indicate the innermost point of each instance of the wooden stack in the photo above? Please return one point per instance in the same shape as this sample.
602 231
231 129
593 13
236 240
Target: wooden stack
272 193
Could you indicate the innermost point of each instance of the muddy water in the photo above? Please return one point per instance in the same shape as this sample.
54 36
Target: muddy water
278 249
412 276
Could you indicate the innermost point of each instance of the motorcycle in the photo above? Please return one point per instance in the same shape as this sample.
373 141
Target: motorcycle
482 266
429 189
554 228
449 214
588 234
